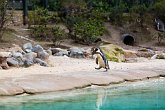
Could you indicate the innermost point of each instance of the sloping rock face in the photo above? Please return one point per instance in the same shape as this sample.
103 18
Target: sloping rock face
41 83
48 83
113 53
8 88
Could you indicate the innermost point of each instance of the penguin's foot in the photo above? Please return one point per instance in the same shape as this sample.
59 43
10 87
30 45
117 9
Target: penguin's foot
98 68
106 70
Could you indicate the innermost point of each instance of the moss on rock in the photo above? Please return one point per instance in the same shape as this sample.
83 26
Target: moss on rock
113 53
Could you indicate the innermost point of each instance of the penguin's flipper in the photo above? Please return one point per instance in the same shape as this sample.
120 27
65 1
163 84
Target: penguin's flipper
97 62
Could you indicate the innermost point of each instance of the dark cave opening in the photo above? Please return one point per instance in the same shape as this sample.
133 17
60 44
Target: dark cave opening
128 40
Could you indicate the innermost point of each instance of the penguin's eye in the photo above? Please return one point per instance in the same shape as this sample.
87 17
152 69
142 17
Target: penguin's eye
96 49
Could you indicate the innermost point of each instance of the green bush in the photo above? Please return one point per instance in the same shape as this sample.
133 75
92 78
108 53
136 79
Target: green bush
3 16
40 32
58 35
39 16
54 34
159 8
160 37
89 31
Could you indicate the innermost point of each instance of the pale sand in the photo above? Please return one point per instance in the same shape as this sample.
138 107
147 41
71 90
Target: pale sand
67 66
69 73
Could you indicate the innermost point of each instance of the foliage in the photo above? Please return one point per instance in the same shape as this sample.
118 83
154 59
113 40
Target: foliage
54 34
39 16
3 16
160 8
82 17
42 16
54 5
58 35
34 4
160 37
88 31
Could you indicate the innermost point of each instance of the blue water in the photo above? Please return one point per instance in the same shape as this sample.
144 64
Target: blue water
146 95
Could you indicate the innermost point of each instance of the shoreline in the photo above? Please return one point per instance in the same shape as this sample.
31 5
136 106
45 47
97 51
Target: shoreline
80 74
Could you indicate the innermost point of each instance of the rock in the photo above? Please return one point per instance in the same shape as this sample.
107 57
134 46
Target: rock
55 50
16 48
28 59
76 52
7 88
130 54
12 62
49 51
43 55
154 57
17 55
59 52
88 53
3 59
49 83
27 47
145 53
102 80
28 63
62 53
37 48
113 52
161 56
5 54
41 62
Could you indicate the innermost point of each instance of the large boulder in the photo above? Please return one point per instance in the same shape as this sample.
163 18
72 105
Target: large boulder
113 52
17 55
37 48
27 47
12 62
76 52
43 55
28 59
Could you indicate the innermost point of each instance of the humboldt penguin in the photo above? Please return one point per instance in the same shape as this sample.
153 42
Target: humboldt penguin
101 60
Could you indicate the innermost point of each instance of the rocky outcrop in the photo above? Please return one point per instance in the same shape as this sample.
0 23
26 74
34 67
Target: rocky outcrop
8 88
113 53
26 56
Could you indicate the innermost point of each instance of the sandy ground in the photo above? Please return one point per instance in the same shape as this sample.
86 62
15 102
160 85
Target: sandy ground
69 73
69 66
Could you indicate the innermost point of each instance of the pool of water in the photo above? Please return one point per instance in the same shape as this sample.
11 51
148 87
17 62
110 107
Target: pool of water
144 95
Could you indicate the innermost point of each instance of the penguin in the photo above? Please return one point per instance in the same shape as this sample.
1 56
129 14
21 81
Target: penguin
100 59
